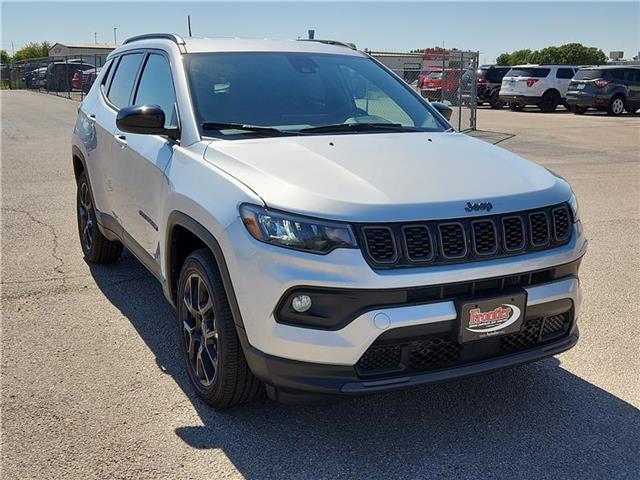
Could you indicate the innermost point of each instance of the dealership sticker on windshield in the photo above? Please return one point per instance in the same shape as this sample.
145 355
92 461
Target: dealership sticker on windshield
480 319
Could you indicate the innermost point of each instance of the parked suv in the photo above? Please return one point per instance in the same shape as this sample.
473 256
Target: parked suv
542 85
610 88
489 81
334 237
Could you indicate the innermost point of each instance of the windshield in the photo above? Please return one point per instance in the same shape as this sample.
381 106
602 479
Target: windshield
292 92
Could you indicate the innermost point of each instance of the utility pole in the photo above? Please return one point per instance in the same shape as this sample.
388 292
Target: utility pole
95 37
115 36
189 23
13 50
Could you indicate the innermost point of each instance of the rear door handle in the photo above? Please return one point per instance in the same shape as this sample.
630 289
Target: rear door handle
122 140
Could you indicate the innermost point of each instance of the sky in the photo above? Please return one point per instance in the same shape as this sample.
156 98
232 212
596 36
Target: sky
491 28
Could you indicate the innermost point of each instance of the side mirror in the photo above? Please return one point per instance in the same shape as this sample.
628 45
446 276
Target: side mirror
143 119
444 109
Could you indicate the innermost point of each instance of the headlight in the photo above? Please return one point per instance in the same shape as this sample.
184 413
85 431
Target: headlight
573 203
300 233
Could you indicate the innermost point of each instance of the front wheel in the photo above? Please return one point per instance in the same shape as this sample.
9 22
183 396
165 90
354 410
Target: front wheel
96 247
209 343
630 109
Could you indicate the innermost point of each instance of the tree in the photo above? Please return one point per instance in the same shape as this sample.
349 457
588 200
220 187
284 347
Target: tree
33 50
4 56
570 54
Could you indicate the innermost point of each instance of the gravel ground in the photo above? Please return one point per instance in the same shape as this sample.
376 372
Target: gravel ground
92 386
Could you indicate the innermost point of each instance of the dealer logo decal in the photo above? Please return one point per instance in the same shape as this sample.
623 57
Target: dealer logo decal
493 320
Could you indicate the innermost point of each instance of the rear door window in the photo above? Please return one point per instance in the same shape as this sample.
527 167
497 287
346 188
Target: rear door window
124 79
534 72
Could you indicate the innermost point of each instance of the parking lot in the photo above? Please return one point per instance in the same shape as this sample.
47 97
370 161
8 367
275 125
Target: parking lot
92 385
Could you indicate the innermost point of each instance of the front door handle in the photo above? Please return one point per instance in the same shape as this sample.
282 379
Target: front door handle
122 140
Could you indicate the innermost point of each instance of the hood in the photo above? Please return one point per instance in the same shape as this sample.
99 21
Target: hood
386 176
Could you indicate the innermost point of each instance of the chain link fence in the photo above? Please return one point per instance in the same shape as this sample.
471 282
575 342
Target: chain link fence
69 76
448 76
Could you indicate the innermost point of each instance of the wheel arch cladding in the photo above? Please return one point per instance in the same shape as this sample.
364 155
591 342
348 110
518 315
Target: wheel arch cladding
78 162
185 235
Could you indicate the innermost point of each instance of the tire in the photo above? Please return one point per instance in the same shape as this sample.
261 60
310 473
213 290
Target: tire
209 343
578 110
495 101
96 247
630 109
516 107
549 102
616 106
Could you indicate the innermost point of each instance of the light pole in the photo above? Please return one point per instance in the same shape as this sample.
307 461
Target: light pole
115 36
95 37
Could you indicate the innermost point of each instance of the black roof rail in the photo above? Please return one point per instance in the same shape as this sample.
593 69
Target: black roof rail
330 42
177 39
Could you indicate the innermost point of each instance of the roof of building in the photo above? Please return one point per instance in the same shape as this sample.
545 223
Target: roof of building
100 46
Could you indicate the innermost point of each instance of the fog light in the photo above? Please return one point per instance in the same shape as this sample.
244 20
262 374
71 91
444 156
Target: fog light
301 303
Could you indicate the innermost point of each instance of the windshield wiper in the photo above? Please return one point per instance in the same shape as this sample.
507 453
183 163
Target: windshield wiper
267 131
358 127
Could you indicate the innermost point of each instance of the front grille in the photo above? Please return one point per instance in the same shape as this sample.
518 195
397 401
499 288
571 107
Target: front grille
380 244
539 229
561 223
418 243
463 240
485 240
443 351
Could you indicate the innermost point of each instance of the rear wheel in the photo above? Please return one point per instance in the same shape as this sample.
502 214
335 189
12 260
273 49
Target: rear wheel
494 100
96 247
208 339
616 106
549 102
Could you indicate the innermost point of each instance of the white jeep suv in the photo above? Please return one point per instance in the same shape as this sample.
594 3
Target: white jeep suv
542 85
319 227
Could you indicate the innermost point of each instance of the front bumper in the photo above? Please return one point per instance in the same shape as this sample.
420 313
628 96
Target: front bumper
290 377
520 99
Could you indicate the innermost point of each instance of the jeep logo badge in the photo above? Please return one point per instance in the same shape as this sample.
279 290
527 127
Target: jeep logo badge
475 206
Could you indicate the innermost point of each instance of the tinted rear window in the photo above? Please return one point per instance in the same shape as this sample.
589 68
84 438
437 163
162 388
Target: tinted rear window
589 74
492 74
529 72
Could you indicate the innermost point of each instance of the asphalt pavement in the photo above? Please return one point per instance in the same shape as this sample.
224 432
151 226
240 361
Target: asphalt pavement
92 385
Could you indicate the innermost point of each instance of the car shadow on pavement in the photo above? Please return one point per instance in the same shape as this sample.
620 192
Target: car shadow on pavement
534 421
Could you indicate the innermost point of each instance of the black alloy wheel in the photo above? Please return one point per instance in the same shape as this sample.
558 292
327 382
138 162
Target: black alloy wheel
199 332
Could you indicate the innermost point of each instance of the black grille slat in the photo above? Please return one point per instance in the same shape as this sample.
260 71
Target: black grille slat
383 357
467 239
485 239
514 233
433 353
418 243
380 244
453 242
539 229
561 223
